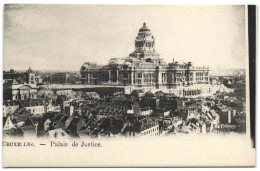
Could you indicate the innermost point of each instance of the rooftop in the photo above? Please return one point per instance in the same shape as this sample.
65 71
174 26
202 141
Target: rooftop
144 28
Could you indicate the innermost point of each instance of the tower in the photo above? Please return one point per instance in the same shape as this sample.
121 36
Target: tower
145 45
31 77
144 40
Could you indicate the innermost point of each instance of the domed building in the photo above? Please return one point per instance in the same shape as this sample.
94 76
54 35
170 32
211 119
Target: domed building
144 68
145 46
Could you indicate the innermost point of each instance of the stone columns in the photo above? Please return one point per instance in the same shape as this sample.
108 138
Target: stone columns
109 76
132 78
117 76
88 78
142 80
159 77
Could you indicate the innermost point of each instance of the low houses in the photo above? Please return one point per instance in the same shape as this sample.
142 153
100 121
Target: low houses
68 107
67 113
149 127
59 134
197 126
29 128
136 109
151 131
59 121
9 107
137 93
35 106
227 114
9 127
61 99
47 125
21 114
146 111
92 95
50 94
9 124
51 108
69 93
166 114
35 109
169 101
144 127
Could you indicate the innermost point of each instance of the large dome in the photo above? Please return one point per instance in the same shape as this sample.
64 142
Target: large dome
144 28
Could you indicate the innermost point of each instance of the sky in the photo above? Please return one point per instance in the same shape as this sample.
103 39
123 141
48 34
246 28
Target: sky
63 37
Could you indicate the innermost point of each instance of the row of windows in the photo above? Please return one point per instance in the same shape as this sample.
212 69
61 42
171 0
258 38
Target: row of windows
149 80
199 78
141 44
36 110
191 93
144 34
182 67
156 134
201 74
164 75
145 75
150 131
149 75
180 74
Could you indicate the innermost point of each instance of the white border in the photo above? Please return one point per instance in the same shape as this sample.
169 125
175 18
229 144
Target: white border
166 2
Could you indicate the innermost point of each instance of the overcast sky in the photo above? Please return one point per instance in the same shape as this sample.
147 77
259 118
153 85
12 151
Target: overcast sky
63 37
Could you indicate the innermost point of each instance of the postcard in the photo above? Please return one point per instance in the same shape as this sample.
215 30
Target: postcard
129 85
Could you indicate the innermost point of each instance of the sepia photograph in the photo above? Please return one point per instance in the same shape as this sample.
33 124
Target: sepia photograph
93 80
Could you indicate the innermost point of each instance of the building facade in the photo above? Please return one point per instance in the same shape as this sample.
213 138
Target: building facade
144 68
20 86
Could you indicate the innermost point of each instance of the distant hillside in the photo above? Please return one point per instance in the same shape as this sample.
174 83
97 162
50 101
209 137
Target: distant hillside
227 72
